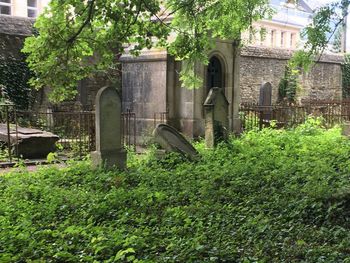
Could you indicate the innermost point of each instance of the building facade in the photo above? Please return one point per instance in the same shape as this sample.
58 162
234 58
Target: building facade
22 8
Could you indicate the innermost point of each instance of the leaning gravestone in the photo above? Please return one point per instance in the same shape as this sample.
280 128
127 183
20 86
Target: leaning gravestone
265 100
216 117
109 150
172 141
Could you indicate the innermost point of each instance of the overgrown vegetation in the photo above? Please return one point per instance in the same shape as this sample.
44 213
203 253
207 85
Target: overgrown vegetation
288 85
270 196
346 76
14 77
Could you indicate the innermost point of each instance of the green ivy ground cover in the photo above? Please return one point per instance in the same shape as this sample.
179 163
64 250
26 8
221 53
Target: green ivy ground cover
270 196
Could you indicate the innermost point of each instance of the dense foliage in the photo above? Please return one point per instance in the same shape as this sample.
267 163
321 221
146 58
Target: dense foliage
346 77
288 85
328 24
14 77
270 196
77 38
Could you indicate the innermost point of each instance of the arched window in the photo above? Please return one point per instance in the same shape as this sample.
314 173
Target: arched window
214 74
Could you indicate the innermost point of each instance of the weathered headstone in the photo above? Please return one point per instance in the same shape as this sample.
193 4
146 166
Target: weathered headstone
265 101
109 150
30 143
216 117
346 129
172 141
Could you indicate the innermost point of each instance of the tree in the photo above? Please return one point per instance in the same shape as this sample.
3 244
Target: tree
76 38
337 41
327 21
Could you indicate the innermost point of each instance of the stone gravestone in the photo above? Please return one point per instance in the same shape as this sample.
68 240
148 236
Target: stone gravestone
109 150
346 129
265 101
172 141
216 117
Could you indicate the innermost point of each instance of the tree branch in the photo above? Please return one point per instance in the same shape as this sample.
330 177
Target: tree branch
86 22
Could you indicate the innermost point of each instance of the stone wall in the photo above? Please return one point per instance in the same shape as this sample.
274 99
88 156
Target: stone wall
144 91
260 65
13 31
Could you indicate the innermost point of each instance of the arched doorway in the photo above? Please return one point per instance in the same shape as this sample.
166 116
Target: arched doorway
214 74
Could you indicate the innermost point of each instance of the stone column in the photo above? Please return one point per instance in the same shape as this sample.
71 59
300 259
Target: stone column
209 126
278 38
288 39
236 96
109 150
267 42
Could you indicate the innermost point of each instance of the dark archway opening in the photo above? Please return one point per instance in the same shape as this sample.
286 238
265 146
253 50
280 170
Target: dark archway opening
214 74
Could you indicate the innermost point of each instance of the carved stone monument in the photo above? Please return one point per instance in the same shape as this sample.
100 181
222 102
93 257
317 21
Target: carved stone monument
109 150
265 101
216 117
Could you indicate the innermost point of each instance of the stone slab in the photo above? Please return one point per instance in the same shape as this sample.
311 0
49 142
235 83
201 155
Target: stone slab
30 143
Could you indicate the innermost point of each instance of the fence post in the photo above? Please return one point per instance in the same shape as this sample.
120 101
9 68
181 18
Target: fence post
16 145
8 132
261 116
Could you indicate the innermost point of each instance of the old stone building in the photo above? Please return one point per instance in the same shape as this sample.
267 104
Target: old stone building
151 85
22 8
13 31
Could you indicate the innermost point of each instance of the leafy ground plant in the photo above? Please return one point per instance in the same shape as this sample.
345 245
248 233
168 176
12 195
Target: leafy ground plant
269 196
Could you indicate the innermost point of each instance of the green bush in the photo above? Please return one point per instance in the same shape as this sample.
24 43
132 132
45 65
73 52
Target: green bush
269 196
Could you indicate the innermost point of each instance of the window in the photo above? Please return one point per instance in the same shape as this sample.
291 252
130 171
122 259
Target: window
292 40
5 7
282 38
273 33
32 8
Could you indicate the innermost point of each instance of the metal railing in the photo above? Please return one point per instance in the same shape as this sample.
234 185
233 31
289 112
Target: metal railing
76 130
160 117
256 116
8 133
129 128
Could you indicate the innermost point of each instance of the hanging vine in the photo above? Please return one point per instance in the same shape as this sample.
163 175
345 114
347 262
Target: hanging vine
14 77
346 76
287 88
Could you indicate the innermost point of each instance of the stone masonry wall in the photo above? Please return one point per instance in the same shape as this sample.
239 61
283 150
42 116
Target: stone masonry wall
144 81
260 65
13 31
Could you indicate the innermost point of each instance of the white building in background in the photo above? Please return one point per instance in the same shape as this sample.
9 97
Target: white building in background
22 8
283 29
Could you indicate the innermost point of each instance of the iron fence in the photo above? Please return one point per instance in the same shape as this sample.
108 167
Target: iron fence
8 133
256 116
129 128
160 117
76 130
